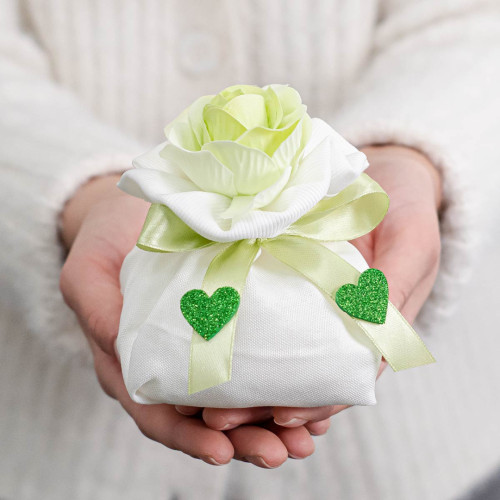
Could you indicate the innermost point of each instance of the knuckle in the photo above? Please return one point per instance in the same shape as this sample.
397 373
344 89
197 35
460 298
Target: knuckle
103 382
400 296
151 428
325 413
146 430
97 327
105 387
432 257
435 251
65 284
431 242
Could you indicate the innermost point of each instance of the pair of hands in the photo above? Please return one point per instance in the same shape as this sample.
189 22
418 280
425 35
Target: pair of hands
100 225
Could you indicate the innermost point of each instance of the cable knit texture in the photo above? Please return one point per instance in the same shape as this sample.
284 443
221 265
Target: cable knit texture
85 85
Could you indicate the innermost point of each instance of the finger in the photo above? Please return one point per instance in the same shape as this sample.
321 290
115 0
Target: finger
297 440
294 417
162 423
407 253
258 446
339 408
93 292
318 428
418 297
382 367
225 419
188 410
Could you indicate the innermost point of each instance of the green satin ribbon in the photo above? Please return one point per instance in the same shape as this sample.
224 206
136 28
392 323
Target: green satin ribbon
353 212
163 231
396 340
210 362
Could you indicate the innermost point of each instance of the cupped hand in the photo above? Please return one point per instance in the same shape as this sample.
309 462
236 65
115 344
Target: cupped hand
100 225
405 246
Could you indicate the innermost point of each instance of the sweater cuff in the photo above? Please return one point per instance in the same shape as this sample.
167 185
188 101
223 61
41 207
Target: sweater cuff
49 316
457 214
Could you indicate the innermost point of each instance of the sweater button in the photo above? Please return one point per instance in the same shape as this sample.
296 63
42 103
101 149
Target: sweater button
198 53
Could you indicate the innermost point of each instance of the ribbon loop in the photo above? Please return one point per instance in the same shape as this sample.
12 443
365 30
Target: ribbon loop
353 212
164 232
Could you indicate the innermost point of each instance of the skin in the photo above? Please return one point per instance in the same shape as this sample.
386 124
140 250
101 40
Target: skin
100 225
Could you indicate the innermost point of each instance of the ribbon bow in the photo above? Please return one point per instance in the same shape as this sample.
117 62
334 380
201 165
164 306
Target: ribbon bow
353 212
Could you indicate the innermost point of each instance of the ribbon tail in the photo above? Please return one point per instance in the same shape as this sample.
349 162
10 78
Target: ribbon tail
211 361
396 340
353 212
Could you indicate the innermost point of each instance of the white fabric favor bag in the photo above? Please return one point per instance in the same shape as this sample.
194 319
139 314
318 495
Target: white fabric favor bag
292 346
243 289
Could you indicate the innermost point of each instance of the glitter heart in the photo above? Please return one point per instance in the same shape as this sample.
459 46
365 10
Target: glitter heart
208 315
368 300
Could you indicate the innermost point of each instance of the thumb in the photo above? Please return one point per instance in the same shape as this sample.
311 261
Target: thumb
93 292
408 255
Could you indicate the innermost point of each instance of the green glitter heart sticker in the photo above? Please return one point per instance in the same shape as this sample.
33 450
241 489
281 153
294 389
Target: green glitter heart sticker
368 300
208 315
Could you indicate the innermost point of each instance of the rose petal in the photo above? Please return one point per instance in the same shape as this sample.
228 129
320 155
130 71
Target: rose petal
289 98
202 168
221 125
306 131
180 133
266 139
240 205
319 131
236 90
196 122
288 149
152 159
358 161
268 195
313 175
249 110
346 163
153 185
308 187
345 168
253 170
273 107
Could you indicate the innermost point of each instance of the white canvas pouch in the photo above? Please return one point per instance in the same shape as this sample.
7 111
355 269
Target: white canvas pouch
293 346
250 168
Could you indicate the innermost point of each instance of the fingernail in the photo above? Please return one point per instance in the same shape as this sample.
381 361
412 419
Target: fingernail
293 422
317 433
186 412
115 347
294 457
259 461
210 460
228 426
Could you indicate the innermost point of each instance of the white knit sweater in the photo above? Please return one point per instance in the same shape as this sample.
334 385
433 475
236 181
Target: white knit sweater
87 84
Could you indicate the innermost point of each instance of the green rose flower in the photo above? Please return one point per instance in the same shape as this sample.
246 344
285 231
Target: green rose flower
246 163
242 143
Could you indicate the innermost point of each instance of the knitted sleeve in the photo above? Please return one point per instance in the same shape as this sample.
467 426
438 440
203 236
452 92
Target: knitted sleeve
432 84
49 145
